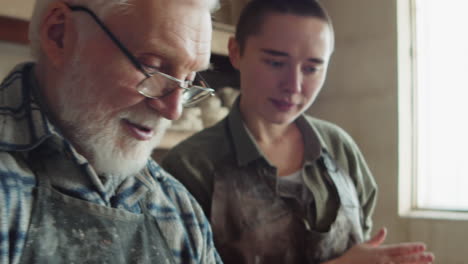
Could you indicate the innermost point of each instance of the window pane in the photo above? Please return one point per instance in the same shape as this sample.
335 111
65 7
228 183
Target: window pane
442 104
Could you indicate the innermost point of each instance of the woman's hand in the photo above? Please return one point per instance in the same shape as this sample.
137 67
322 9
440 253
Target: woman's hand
373 252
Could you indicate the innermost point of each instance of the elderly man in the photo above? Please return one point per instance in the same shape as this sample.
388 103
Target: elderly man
78 127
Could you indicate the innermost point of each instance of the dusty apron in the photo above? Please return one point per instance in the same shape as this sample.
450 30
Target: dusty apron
68 230
253 225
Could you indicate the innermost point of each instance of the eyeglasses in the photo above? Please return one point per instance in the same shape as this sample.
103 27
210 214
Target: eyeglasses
156 85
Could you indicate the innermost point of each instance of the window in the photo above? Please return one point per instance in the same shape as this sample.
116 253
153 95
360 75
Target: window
433 118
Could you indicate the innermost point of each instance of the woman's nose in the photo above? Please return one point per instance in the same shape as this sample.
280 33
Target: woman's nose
293 81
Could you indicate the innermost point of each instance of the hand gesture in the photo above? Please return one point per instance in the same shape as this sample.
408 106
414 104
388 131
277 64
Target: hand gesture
373 252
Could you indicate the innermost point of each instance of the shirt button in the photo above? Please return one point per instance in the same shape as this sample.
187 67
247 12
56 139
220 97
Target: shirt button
330 164
306 224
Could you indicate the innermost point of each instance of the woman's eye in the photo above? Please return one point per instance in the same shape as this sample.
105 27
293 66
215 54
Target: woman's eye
311 69
274 63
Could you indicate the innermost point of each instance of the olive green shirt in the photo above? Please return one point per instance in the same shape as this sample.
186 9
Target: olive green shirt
194 161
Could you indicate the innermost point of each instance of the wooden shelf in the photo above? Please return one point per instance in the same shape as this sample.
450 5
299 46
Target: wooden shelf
221 35
14 30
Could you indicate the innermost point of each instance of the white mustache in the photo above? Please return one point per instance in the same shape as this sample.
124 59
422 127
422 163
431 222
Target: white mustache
149 120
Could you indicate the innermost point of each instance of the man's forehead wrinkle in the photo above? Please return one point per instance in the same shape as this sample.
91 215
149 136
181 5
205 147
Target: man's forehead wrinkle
182 38
194 40
211 5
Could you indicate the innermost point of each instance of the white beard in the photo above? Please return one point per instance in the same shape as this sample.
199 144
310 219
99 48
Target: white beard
98 134
107 146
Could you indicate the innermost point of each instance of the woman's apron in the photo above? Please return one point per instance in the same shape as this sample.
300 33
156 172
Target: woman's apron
253 225
68 230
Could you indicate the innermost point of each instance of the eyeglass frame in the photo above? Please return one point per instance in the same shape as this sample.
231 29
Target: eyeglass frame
185 85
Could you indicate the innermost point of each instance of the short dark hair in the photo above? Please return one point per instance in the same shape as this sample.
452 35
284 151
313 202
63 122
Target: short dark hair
254 12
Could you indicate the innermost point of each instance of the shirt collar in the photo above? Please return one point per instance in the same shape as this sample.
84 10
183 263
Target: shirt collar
24 124
246 149
313 142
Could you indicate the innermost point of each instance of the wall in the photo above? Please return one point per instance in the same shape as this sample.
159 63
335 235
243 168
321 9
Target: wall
229 10
10 55
13 53
17 8
361 92
360 95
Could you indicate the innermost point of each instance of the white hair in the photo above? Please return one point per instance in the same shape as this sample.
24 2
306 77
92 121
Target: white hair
100 7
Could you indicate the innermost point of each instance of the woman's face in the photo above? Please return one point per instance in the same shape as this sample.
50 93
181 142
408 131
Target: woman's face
283 67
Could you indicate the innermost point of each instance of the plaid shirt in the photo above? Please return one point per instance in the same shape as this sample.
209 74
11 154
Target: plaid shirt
24 127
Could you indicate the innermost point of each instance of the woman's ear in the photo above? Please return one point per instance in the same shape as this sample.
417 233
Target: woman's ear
234 52
54 31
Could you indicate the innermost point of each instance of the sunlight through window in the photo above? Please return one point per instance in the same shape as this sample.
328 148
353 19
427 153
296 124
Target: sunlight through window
441 104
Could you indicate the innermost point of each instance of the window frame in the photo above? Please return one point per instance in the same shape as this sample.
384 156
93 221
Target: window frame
407 114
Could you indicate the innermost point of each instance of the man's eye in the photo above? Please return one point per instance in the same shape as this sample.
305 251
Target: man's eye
149 69
274 63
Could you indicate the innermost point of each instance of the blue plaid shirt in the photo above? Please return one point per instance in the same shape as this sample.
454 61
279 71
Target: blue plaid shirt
24 126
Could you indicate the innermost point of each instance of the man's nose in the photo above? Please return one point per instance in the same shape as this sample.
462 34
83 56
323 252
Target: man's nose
169 106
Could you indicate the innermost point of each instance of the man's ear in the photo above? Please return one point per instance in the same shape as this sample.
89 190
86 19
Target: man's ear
234 52
54 31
